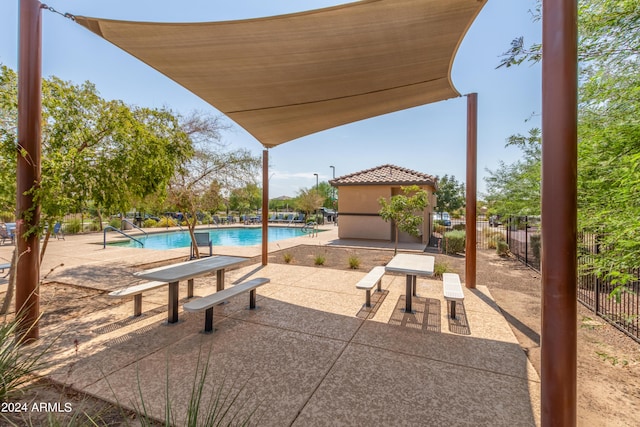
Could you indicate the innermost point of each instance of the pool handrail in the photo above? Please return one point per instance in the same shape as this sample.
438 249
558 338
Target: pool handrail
109 227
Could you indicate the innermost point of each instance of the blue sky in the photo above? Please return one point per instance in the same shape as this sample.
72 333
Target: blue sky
429 139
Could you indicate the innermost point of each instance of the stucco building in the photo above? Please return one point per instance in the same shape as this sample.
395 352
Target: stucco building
358 206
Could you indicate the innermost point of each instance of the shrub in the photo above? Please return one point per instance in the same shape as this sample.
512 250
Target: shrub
492 237
454 242
166 222
535 246
440 268
288 258
354 262
439 228
74 226
7 216
148 223
319 260
18 362
460 227
206 218
502 248
95 225
114 222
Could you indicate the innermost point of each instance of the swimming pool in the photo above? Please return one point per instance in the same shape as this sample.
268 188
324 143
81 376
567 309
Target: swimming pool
219 237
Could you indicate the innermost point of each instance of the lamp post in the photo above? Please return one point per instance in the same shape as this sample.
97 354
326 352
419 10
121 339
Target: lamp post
333 189
317 192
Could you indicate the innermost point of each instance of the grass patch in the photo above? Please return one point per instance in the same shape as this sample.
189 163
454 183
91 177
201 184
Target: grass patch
354 262
439 269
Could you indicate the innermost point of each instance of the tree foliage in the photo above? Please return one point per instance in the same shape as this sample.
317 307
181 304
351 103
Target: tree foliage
608 128
308 200
515 188
203 180
405 210
93 151
450 194
246 199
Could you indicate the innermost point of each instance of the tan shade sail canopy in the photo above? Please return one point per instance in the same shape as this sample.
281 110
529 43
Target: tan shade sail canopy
288 76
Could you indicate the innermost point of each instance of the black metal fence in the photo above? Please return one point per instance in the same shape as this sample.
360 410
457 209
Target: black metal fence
621 309
522 234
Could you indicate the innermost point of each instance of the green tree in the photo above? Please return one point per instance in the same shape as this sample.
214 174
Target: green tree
213 171
450 194
309 200
405 211
325 190
608 128
515 188
94 151
246 199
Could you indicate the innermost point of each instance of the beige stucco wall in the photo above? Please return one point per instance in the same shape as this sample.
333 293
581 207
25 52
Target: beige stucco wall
358 213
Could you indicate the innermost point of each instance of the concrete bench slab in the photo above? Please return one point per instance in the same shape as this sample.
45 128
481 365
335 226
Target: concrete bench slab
208 302
136 291
452 289
373 278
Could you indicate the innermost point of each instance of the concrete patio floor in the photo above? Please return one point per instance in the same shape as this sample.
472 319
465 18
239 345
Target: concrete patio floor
310 354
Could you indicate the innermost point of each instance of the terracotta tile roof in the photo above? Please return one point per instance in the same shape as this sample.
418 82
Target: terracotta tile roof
385 175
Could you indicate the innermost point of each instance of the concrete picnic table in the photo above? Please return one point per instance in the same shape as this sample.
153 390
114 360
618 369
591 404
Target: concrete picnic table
412 265
189 270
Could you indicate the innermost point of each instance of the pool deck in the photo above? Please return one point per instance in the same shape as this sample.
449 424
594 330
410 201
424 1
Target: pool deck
311 354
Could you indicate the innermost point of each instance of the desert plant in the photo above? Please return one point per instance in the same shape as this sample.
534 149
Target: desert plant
502 248
354 262
18 362
439 268
535 245
148 223
493 237
439 228
74 226
454 242
95 225
224 406
166 222
319 259
288 257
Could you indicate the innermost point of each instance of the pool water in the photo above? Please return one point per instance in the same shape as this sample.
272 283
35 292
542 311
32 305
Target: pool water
219 237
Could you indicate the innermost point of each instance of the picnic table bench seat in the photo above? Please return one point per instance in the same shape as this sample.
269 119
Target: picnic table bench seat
136 291
373 278
207 303
452 289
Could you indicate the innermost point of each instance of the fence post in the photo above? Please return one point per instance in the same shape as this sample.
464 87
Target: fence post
597 290
526 240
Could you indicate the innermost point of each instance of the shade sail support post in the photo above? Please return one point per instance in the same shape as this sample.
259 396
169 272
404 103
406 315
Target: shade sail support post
265 207
28 169
559 212
471 190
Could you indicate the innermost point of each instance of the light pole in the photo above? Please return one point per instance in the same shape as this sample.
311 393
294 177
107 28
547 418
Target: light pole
333 189
317 192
